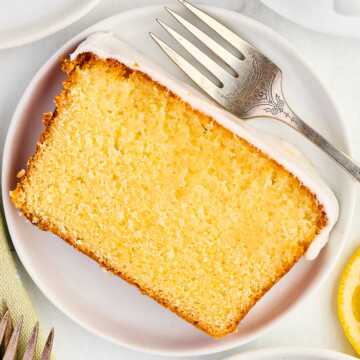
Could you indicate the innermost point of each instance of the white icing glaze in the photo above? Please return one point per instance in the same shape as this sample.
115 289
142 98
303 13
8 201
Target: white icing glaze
106 45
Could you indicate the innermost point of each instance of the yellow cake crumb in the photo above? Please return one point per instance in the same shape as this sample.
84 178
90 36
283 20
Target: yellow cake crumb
20 174
163 196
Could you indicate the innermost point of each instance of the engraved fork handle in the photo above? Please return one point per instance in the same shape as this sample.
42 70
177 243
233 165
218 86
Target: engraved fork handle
339 156
276 107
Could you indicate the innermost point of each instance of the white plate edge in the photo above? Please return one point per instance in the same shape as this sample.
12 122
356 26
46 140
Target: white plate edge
31 37
260 354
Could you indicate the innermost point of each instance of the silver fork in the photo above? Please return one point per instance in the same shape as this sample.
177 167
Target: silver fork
248 85
9 340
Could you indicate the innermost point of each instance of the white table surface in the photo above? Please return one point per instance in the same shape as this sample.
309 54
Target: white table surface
335 60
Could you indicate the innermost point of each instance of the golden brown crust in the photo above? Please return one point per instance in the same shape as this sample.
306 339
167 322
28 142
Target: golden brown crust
47 226
49 119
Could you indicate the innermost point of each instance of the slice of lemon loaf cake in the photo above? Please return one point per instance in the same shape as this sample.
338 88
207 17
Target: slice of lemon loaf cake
167 190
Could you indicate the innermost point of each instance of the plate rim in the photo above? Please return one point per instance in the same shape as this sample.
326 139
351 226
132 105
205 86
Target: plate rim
259 354
321 276
348 32
29 37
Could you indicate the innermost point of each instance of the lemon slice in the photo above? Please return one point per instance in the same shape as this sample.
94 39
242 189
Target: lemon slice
349 300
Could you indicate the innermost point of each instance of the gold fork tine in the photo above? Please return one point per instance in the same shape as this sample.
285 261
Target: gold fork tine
11 349
8 330
31 345
48 346
9 339
4 325
5 331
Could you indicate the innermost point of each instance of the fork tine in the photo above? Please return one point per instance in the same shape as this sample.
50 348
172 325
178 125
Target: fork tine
8 330
11 350
233 39
194 74
215 69
48 346
31 345
210 43
4 323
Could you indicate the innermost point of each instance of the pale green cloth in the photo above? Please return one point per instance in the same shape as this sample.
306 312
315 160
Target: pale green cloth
13 293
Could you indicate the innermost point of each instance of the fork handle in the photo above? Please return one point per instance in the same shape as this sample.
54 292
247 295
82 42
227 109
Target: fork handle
280 109
339 156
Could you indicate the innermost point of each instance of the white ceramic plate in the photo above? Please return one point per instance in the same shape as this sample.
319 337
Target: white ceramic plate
291 354
108 306
338 17
24 21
